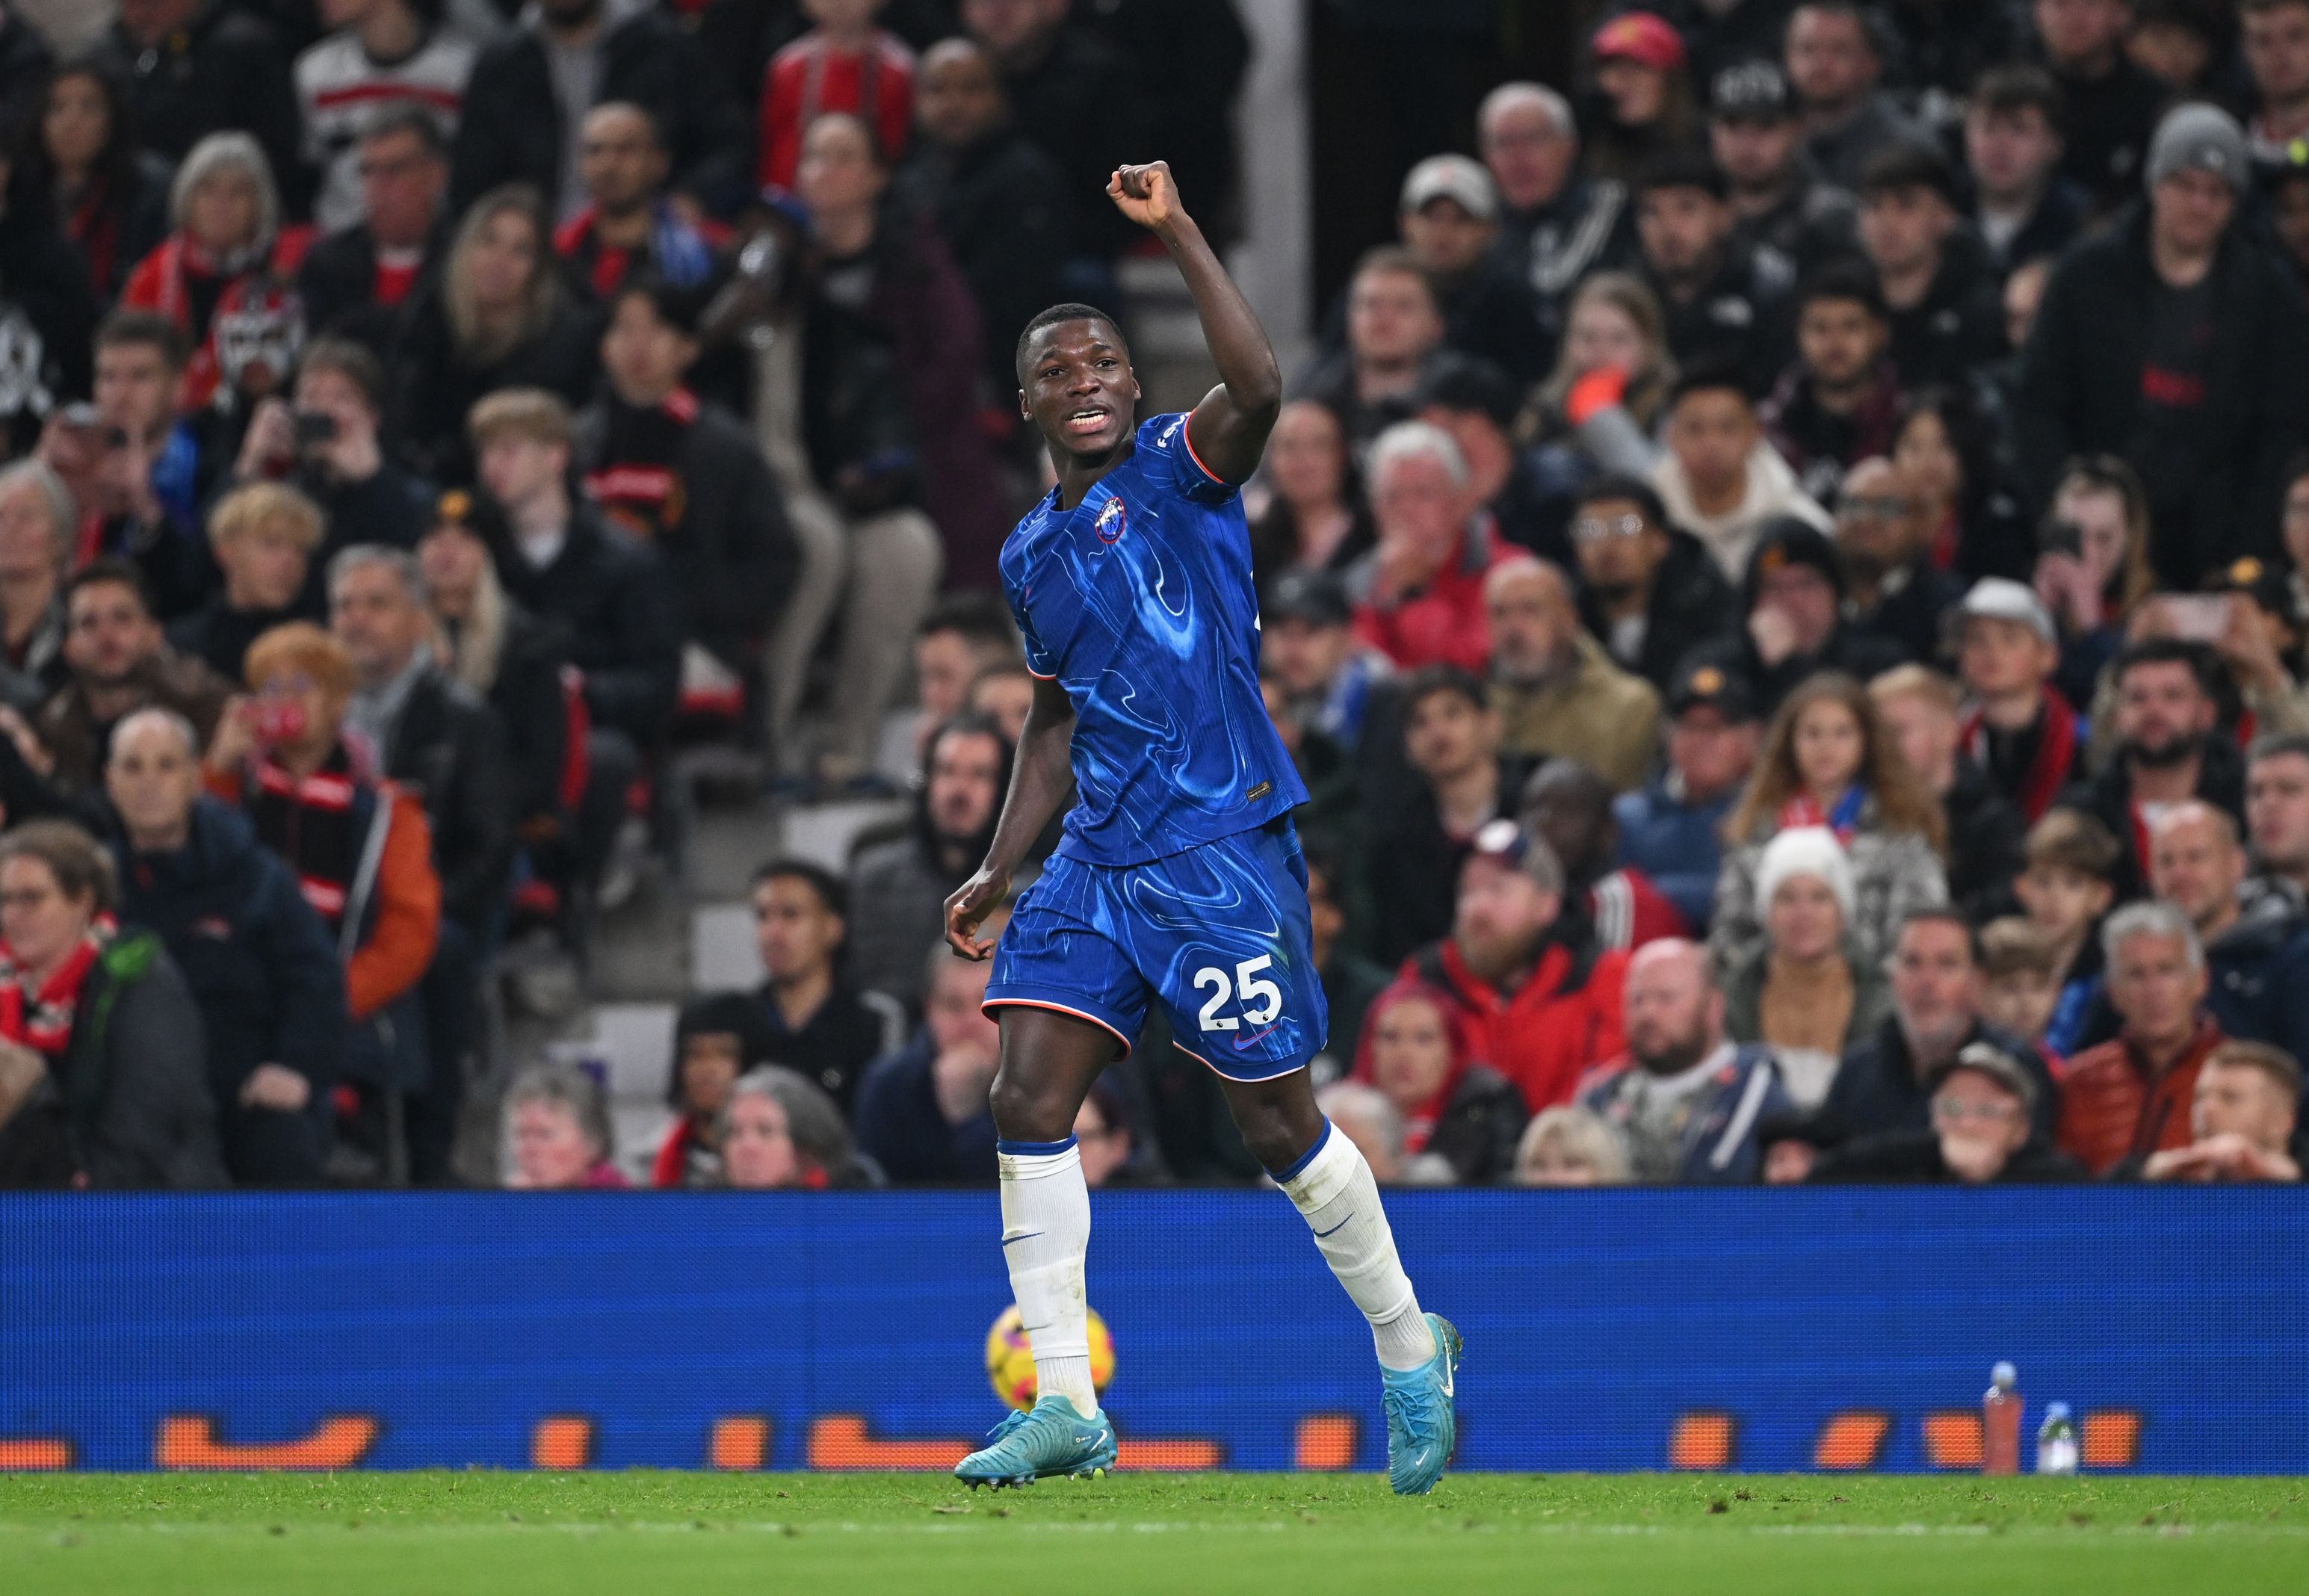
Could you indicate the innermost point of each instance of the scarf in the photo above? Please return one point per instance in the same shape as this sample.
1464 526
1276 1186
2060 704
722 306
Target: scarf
311 823
638 483
44 1024
1804 810
2056 751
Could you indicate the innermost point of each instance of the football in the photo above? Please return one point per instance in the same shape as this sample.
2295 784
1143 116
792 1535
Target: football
1010 1360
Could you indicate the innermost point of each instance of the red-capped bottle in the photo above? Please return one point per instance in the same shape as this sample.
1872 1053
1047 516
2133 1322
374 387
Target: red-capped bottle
1999 1422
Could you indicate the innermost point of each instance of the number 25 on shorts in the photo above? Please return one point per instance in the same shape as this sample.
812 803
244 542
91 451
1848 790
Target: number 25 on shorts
1262 1001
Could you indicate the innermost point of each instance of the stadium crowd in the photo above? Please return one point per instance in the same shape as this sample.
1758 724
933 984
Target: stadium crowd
1787 581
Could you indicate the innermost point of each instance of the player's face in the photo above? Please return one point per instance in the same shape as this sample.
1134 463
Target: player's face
1075 386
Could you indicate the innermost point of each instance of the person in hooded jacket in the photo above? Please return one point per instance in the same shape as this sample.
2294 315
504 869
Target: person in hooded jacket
1416 1050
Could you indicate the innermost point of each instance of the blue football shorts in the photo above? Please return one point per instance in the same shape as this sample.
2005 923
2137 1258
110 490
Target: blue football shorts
1218 935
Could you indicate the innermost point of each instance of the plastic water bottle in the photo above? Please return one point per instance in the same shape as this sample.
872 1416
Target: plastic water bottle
2056 1441
1999 1422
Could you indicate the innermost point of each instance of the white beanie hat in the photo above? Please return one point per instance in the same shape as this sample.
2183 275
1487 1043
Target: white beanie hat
1805 851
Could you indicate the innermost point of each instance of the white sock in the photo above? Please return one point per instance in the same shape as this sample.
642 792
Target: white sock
1045 1235
1333 1189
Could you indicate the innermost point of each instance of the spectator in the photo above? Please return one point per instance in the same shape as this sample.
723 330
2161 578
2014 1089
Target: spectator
1686 1100
36 542
1394 345
2179 344
1457 1113
1570 1147
816 1021
1794 629
1539 1001
526 101
2094 572
2167 751
1364 1115
1893 587
119 663
508 657
47 309
1792 1145
717 1038
960 638
1333 685
883 281
384 56
497 317
108 1016
1350 980
557 1120
2066 889
260 966
2020 979
360 849
1448 220
2277 814
1643 96
965 771
1611 381
842 62
1478 406
1720 479
1102 1130
2256 948
226 250
197 66
1556 224
1841 398
1004 693
1835 59
2019 730
1941 288
2275 37
1726 302
1451 739
627 225
780 1131
2175 41
999 203
612 598
388 253
2129 1098
326 440
1779 198
1556 692
1805 993
2113 104
1921 714
921 1111
1671 831
685 477
1983 1132
1946 448
263 535
1418 593
1829 762
1315 517
109 192
2022 204
1647 589
1569 807
1071 96
2241 1120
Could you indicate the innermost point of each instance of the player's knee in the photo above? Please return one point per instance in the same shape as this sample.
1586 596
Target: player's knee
1029 1110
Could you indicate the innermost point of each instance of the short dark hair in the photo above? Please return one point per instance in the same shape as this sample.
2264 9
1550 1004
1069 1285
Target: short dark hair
680 308
352 360
81 865
1684 169
2278 745
2021 86
976 614
414 120
833 896
112 570
1428 680
1942 914
1635 490
1873 27
2165 650
966 723
123 328
1708 375
1908 164
2274 1061
1847 280
1071 311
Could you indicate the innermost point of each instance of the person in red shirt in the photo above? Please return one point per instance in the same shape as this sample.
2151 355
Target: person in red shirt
1539 1001
2130 1096
843 63
1419 594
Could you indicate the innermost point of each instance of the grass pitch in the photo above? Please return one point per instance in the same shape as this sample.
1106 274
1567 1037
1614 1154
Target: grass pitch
1272 1534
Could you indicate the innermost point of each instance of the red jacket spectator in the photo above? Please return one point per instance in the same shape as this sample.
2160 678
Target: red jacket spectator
2113 1108
814 74
1442 623
1627 912
1544 1036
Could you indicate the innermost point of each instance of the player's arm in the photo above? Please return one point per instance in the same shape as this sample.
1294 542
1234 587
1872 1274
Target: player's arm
1228 430
1042 780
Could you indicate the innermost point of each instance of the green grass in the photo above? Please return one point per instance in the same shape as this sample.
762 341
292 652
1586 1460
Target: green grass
1273 1535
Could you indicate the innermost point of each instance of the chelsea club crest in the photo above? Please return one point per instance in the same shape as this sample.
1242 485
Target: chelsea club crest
1108 524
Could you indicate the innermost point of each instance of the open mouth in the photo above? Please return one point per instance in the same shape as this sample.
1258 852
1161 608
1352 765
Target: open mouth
1084 422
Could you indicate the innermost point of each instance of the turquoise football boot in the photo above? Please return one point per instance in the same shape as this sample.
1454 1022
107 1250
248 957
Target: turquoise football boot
1421 1426
1051 1439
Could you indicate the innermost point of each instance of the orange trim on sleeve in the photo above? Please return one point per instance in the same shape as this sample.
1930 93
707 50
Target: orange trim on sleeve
1187 437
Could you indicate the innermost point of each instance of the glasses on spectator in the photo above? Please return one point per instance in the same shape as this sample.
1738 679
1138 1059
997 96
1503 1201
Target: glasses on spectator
1954 1111
1866 507
1594 528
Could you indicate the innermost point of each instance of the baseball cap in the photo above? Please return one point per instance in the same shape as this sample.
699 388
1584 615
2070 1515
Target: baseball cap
2002 599
2199 137
1753 91
1986 1059
1317 597
1789 540
1515 847
1640 37
1452 178
2259 581
1704 686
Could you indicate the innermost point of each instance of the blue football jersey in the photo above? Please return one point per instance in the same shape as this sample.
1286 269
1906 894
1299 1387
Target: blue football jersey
1139 602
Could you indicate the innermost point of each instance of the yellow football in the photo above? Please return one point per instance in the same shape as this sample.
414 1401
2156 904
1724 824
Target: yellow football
1010 1360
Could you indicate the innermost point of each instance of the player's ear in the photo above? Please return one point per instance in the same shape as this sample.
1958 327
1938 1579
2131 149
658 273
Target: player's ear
1024 410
